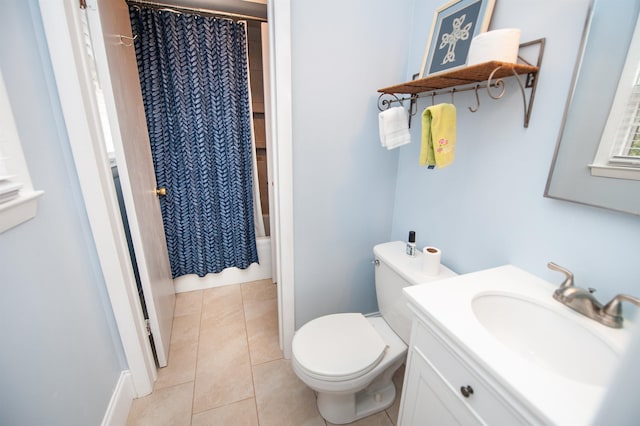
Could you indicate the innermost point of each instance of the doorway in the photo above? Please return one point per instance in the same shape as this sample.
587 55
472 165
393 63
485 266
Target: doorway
125 146
64 41
258 67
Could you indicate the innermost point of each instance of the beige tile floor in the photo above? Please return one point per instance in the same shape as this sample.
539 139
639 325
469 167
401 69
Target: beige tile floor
226 368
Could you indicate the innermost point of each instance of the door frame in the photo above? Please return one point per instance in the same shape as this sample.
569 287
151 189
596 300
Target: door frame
281 127
63 32
64 36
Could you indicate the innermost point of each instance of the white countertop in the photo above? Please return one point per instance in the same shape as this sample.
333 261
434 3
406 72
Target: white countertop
447 305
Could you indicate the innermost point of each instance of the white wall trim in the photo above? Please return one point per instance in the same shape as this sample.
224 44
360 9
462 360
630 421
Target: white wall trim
121 400
279 13
61 20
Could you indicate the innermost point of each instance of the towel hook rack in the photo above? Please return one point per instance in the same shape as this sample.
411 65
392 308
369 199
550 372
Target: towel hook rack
453 91
477 107
498 84
386 103
489 76
413 106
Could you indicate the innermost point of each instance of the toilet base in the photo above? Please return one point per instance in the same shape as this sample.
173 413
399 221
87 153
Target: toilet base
342 408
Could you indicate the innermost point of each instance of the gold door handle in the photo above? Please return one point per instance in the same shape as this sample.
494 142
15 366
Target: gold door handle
161 192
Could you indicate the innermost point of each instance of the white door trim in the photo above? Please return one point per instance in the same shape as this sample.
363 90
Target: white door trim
61 20
279 17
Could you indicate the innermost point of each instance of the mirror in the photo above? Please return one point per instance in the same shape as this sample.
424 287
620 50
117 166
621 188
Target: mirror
604 49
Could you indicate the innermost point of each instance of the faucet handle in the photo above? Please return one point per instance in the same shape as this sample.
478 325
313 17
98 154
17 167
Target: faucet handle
612 311
568 281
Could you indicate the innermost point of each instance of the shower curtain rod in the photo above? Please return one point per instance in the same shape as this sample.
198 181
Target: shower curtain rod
196 11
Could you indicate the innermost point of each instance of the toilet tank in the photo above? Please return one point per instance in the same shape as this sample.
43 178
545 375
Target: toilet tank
394 270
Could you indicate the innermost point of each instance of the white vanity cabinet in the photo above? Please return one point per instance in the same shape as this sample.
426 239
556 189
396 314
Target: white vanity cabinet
443 387
494 348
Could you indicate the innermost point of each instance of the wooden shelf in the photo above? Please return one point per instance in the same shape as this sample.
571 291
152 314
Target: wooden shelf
461 76
488 75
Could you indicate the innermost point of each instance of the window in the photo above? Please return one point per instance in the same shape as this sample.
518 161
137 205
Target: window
618 154
17 197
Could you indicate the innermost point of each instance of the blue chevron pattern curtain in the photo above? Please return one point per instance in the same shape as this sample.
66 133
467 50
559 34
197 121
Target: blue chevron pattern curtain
194 78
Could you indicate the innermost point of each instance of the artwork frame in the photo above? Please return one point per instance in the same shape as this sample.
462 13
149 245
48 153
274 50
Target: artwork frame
465 19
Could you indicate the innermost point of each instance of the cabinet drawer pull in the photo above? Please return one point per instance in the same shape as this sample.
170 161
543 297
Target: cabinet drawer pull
466 391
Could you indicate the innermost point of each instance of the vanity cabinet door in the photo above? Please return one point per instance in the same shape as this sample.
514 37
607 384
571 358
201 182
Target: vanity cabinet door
429 400
441 389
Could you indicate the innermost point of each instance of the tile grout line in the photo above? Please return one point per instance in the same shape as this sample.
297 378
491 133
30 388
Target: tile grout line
195 372
246 334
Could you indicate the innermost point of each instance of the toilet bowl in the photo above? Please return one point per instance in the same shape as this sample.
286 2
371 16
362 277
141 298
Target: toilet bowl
350 359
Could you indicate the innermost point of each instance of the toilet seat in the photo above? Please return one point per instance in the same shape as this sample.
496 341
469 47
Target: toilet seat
338 347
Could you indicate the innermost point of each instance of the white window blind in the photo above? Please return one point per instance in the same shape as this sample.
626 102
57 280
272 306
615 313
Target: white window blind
17 197
9 188
618 154
627 148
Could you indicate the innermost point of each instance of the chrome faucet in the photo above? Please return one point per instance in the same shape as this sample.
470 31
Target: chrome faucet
612 311
583 301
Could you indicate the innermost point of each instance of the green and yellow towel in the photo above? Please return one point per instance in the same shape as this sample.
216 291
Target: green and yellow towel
438 136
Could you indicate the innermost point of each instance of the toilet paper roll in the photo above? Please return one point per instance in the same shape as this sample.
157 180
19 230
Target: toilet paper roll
431 261
498 45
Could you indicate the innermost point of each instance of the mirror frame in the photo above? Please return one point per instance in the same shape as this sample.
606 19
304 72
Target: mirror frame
601 57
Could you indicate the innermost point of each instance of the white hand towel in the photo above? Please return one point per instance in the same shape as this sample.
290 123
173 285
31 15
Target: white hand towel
394 127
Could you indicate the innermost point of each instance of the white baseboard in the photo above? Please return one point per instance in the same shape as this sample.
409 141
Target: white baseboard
229 276
120 404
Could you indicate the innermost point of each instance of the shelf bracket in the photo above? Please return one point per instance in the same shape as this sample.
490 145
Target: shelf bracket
531 81
527 107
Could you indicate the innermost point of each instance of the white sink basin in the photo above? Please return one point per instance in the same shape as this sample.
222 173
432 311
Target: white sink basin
505 323
544 335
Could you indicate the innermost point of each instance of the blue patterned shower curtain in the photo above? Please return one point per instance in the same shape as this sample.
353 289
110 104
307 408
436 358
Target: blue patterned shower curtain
194 78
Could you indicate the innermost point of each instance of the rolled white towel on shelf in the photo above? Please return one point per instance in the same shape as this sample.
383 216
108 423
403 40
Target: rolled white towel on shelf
394 127
497 45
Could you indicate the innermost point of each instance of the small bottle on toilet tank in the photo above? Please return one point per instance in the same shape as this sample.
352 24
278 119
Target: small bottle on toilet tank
411 244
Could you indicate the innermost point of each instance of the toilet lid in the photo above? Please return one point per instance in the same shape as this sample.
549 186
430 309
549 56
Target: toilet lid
338 347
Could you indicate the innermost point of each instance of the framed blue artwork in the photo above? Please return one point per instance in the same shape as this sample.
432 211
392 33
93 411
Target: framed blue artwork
454 26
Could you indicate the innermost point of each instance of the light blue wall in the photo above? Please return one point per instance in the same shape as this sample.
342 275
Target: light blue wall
488 209
61 355
343 181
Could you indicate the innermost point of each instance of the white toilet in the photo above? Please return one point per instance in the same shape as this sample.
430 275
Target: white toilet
349 359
